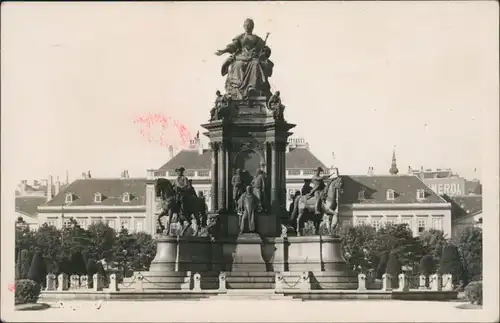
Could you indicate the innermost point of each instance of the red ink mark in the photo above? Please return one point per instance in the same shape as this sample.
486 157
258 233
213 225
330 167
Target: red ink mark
156 129
11 287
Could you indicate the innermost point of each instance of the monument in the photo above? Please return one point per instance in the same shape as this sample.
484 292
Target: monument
246 238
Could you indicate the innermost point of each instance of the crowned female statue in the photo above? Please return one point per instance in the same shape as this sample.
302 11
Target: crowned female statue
248 67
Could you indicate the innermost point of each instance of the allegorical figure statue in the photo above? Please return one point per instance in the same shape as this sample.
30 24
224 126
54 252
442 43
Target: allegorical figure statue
248 204
248 67
238 187
259 186
274 104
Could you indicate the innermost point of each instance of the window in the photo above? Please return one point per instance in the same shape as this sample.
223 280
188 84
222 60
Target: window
361 221
52 222
160 173
390 195
376 223
82 223
97 198
346 223
126 197
391 220
420 194
69 198
421 224
294 172
203 173
172 173
111 223
361 195
189 173
125 223
139 225
437 223
95 220
309 172
407 221
66 222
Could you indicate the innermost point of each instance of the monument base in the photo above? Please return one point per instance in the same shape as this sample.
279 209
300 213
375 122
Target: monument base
247 255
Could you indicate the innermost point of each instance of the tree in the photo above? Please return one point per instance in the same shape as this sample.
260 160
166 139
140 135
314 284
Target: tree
143 252
48 240
355 240
91 270
37 270
77 264
25 265
382 264
394 269
102 240
433 242
427 265
451 263
470 245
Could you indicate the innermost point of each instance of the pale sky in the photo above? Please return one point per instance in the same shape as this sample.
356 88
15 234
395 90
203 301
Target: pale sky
356 77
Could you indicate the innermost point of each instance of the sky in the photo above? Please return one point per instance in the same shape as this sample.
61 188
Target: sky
358 79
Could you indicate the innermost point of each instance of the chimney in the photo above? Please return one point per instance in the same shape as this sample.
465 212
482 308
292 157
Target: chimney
370 171
22 187
410 171
124 174
57 188
49 188
170 152
199 145
84 175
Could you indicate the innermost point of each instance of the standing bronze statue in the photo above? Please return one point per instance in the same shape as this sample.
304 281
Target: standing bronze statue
248 205
238 187
259 186
248 67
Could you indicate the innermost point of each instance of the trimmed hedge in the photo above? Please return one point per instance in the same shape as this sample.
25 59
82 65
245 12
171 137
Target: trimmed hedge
393 269
474 293
37 270
27 291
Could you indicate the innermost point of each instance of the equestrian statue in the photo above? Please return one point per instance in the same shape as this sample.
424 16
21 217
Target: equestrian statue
322 200
177 198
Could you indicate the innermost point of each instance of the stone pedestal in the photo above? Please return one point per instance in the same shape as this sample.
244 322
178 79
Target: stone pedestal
247 256
166 254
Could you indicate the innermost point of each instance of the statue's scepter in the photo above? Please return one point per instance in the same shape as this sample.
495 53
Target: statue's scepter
265 42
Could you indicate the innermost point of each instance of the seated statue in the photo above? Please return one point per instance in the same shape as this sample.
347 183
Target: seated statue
248 68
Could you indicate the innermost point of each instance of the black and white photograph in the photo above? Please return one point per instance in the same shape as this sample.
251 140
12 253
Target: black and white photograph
330 161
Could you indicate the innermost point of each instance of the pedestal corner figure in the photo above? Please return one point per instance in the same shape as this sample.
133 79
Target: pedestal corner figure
238 187
248 204
259 186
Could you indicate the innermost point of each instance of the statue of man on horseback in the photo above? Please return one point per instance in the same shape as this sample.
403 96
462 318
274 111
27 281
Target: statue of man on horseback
183 189
322 200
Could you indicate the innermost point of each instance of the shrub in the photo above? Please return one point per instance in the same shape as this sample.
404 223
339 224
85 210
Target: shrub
27 291
77 264
25 264
37 271
451 263
474 293
394 269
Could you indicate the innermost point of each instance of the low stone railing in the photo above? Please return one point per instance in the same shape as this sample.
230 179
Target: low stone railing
63 282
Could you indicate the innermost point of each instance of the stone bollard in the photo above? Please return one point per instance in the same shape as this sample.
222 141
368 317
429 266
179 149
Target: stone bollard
74 282
361 282
404 284
305 283
186 285
84 281
278 286
222 283
421 282
436 283
386 282
447 282
50 281
113 283
62 281
197 282
97 282
139 280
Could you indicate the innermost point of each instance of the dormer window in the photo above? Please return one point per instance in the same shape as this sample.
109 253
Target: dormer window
420 194
69 198
97 198
126 197
361 195
390 195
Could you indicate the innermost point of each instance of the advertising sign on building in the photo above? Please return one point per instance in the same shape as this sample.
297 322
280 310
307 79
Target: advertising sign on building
448 186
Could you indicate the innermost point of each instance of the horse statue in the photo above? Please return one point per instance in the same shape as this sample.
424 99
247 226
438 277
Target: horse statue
329 206
170 204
